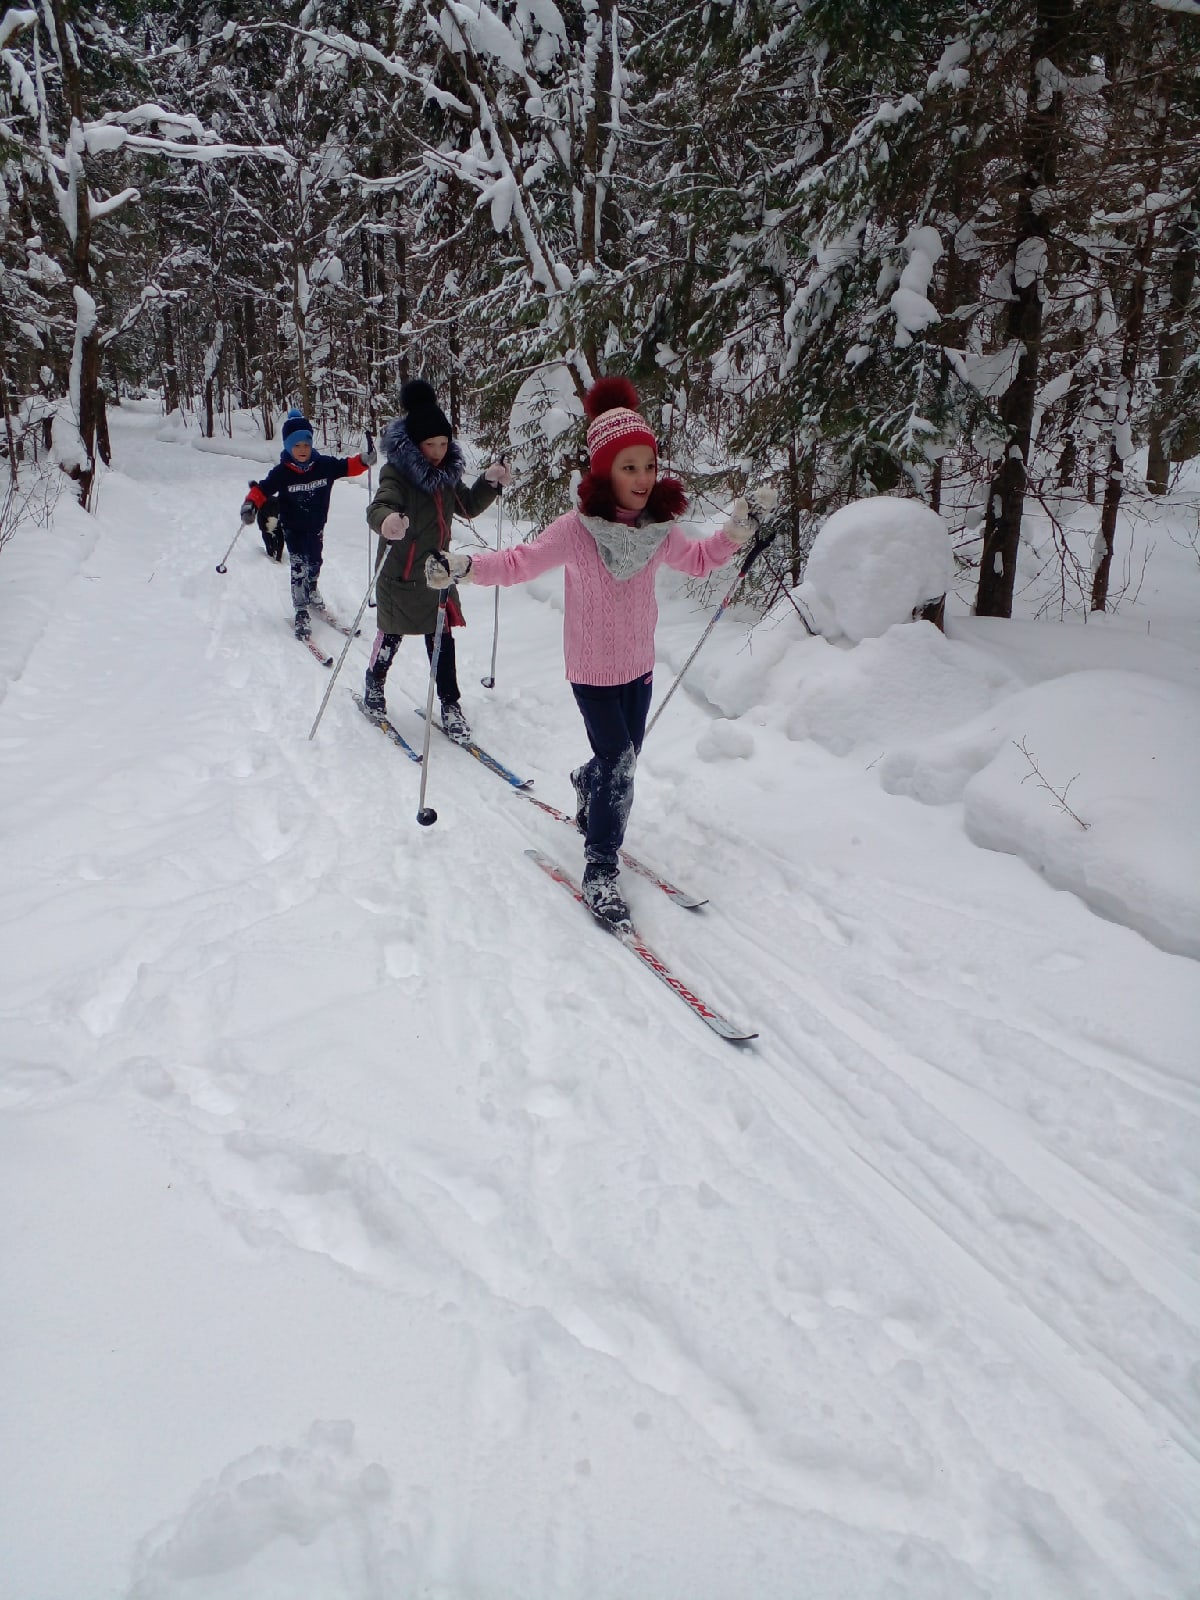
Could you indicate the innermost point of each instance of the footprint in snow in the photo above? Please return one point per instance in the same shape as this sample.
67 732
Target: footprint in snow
307 1519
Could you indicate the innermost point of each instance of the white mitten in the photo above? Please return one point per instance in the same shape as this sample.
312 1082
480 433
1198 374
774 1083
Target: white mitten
443 570
739 526
498 475
394 526
763 501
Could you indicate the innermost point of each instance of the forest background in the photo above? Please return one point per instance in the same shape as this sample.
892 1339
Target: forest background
936 249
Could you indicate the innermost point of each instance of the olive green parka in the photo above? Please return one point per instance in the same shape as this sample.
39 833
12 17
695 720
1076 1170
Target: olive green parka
429 497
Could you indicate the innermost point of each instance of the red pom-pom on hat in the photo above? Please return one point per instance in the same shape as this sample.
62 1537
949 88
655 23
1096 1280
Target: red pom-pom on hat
616 423
606 394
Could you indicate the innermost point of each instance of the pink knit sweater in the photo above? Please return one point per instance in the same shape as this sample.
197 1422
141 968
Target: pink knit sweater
608 624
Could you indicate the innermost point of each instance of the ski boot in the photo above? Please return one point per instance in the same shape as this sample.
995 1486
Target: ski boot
454 723
601 895
374 702
303 625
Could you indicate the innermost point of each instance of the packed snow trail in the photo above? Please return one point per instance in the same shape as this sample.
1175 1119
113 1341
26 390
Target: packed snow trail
377 1228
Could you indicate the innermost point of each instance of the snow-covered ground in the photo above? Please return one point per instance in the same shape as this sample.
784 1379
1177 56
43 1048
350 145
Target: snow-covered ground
375 1227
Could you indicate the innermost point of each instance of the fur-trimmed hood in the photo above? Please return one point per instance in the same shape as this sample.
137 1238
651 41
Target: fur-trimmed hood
408 461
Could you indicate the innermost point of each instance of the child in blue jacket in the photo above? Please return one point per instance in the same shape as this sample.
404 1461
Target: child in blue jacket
302 483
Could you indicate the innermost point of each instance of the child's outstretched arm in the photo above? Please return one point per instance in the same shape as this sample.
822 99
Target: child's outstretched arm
503 568
261 491
355 466
697 557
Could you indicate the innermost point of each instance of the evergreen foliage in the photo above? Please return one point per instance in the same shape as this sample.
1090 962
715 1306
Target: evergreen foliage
933 248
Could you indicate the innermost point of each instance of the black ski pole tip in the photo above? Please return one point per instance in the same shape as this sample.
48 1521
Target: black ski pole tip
221 567
427 816
488 683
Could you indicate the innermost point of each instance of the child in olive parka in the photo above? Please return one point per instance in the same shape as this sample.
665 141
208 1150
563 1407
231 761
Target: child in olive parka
420 489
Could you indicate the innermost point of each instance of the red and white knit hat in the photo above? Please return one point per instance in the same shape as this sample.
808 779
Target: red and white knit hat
616 423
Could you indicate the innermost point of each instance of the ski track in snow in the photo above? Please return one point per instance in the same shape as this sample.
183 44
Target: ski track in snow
899 1302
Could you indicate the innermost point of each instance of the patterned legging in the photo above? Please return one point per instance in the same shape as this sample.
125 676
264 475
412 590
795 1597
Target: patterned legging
383 653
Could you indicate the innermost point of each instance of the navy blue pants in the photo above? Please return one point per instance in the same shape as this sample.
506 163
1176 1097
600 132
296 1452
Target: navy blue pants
615 719
384 653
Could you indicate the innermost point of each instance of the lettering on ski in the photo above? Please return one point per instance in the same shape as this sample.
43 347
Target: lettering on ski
314 649
481 755
385 726
681 897
633 942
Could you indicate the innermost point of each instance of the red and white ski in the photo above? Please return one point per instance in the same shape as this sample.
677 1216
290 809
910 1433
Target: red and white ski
314 649
633 942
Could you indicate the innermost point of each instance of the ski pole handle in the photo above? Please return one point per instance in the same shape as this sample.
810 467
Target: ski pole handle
763 539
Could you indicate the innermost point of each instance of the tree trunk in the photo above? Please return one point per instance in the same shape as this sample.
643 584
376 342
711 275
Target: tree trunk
1131 352
598 118
103 442
1172 347
170 367
245 350
1041 140
298 317
8 431
1114 484
85 363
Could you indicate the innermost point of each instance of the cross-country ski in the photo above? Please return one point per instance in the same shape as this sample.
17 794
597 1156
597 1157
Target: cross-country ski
625 933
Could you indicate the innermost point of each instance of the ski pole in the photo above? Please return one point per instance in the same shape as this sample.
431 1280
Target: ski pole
221 567
490 681
426 815
762 539
383 554
370 497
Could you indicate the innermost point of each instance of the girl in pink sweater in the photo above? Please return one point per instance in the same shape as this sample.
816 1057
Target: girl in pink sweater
611 547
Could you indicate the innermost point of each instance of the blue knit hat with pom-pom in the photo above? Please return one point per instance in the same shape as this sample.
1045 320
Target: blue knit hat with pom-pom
297 429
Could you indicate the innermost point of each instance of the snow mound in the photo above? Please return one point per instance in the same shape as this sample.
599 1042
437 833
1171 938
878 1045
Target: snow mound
725 741
906 685
873 564
1121 748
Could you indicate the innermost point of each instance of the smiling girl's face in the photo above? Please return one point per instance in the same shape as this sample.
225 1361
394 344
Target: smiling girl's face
634 474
